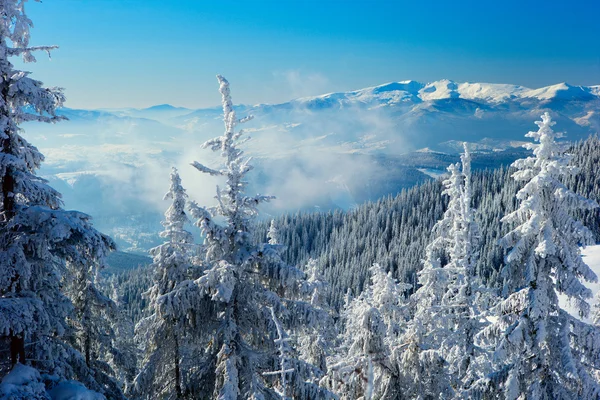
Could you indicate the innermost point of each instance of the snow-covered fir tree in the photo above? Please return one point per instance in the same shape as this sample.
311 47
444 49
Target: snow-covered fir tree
315 341
123 360
245 280
433 279
465 299
540 350
273 234
424 368
91 328
38 239
422 362
284 350
440 358
364 367
167 332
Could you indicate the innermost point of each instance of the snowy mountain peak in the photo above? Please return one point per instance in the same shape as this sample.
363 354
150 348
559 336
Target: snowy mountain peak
562 91
417 92
444 89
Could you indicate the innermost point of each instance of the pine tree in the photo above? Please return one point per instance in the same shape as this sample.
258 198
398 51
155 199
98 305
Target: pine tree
123 359
539 346
91 328
433 279
244 280
423 360
38 239
315 341
447 305
273 234
284 350
167 330
465 299
364 367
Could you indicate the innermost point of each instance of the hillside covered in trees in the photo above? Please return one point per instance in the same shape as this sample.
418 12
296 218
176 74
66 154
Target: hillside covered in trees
394 233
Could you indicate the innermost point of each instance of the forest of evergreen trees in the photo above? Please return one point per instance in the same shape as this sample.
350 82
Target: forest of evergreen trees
395 230
394 233
448 290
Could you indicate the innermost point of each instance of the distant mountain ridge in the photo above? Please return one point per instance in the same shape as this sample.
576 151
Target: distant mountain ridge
417 92
335 150
404 91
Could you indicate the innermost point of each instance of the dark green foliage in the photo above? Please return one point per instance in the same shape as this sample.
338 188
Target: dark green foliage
127 289
120 261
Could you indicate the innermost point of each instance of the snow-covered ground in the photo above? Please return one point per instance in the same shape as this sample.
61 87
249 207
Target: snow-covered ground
434 173
591 256
25 382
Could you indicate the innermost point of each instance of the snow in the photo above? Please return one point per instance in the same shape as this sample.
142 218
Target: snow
20 375
394 92
432 172
491 92
444 89
591 256
72 390
562 91
25 382
22 383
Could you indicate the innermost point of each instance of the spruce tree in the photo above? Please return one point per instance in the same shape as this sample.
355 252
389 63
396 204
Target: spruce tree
364 365
424 366
245 281
167 331
42 246
538 346
440 357
91 329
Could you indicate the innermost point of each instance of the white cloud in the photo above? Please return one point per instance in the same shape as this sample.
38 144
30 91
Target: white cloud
297 83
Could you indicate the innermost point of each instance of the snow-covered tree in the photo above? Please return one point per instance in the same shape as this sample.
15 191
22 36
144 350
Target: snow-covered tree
284 350
91 328
123 359
37 237
447 314
430 324
539 346
433 279
466 299
315 341
273 234
244 280
166 332
421 360
373 323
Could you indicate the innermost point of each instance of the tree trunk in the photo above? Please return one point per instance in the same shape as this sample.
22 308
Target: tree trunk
88 349
17 341
178 390
8 181
17 349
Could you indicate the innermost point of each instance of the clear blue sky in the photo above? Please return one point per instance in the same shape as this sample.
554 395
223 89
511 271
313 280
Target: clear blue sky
137 53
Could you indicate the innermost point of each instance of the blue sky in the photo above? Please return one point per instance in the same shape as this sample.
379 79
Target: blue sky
138 53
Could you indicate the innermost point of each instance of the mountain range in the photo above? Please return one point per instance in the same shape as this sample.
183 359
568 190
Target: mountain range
330 151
